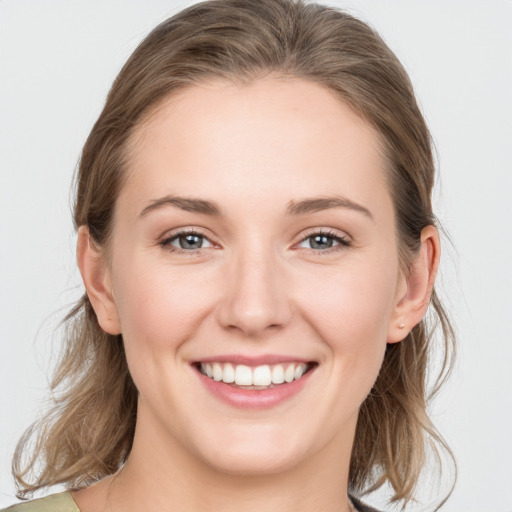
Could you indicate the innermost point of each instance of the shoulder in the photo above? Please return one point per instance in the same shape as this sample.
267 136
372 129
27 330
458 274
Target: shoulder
362 507
61 502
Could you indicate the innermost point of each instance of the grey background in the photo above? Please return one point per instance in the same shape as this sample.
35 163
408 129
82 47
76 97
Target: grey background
57 60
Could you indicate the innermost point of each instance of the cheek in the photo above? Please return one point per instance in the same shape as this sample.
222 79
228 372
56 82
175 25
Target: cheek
160 310
351 307
159 306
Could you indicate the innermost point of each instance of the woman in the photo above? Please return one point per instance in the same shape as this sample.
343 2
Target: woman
258 248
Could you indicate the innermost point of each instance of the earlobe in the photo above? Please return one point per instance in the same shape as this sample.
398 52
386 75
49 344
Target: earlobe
96 277
412 303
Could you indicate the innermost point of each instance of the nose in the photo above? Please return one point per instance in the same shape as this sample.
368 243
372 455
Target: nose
255 297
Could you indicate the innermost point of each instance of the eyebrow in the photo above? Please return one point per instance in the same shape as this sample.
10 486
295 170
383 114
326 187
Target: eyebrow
188 204
294 208
317 204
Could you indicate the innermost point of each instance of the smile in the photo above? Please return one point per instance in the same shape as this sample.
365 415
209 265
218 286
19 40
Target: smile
260 377
254 383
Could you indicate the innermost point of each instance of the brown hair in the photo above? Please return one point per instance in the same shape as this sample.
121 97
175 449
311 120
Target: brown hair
89 432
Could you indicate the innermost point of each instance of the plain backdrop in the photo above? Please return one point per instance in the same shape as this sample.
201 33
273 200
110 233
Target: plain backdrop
57 61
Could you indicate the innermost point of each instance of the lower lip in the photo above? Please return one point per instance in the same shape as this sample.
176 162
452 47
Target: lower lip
254 398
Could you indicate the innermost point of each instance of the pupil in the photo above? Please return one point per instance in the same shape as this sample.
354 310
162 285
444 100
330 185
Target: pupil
191 242
321 242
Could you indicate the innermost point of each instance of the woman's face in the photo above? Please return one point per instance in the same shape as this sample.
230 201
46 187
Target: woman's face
254 239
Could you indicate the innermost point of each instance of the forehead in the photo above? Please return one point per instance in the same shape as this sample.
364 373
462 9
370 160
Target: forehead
275 138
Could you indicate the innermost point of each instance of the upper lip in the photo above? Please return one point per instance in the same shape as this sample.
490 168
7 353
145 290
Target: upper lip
253 360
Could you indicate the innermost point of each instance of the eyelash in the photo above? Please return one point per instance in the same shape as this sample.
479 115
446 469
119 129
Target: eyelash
342 242
166 242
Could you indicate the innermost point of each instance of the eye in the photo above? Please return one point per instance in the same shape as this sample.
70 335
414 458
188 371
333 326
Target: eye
186 241
323 241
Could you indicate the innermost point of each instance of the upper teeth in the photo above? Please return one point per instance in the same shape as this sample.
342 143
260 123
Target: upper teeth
264 375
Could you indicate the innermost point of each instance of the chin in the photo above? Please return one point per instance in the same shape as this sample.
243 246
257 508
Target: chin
257 452
254 464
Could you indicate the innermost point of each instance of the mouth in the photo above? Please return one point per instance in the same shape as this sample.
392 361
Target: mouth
257 378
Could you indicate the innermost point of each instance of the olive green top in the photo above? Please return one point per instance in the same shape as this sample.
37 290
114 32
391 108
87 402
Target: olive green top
64 502
61 502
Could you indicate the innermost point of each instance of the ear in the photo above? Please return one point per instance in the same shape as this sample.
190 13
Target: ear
415 288
96 277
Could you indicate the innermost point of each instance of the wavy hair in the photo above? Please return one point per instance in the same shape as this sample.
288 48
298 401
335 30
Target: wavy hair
89 432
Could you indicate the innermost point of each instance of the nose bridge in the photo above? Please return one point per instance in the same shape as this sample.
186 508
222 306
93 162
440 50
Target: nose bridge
254 298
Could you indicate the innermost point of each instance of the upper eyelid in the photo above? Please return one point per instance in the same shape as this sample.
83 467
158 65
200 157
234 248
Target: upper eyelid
332 232
192 230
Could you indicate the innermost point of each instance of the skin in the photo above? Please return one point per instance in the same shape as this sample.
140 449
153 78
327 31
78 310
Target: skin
257 286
